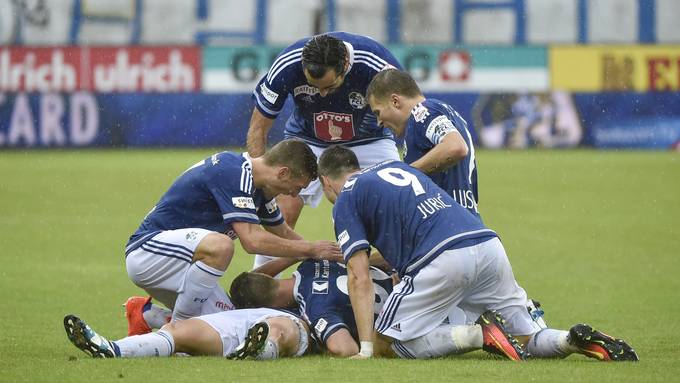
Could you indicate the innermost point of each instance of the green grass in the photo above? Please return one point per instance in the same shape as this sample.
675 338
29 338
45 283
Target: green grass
595 236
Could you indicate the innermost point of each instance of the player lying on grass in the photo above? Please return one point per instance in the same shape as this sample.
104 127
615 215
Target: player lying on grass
319 288
436 138
186 242
446 258
238 334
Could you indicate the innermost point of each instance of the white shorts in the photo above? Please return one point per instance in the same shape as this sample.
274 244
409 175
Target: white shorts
233 326
159 265
369 154
474 279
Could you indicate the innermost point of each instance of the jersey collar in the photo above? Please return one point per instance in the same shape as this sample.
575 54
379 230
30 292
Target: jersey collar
350 56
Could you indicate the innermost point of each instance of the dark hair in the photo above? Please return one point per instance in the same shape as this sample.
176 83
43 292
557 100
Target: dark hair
390 81
323 53
294 154
252 290
336 161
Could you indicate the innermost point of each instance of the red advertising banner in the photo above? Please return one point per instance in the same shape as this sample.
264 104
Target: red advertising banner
100 69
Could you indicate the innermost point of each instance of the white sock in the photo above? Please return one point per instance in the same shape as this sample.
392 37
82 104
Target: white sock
199 282
261 259
158 343
156 316
550 343
444 340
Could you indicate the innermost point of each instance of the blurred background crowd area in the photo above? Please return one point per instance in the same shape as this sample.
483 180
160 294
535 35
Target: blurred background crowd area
523 73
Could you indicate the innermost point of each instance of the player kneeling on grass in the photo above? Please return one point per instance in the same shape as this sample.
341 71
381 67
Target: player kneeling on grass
239 334
446 259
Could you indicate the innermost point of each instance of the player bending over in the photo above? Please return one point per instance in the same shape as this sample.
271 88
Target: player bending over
186 242
238 334
446 258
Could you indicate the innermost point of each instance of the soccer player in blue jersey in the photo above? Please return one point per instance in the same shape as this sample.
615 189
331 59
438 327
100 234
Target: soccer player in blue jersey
319 288
326 76
446 258
436 138
186 242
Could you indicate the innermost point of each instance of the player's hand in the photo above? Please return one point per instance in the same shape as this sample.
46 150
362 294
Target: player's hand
326 250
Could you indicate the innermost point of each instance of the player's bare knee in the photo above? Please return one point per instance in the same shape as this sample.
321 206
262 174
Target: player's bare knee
215 250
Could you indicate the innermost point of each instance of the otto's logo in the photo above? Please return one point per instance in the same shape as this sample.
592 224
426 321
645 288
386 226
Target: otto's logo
333 127
357 100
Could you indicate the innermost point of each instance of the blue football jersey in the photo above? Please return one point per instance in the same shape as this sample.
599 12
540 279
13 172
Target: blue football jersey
429 122
405 215
342 116
210 195
321 292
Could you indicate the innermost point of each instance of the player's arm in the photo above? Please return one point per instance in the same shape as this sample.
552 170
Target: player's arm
255 240
448 152
362 297
341 344
256 141
284 231
276 266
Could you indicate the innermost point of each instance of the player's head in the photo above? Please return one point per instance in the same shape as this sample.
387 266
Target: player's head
252 290
324 62
335 164
294 164
392 94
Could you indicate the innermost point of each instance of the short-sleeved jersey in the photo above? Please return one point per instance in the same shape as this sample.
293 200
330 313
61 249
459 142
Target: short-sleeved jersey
429 122
405 215
323 297
210 195
342 116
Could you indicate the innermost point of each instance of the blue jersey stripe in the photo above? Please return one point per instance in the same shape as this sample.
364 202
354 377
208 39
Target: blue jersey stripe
294 59
149 250
155 247
280 60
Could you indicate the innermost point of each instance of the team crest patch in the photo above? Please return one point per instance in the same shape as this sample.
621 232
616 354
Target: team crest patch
191 236
243 202
320 326
319 287
333 127
357 100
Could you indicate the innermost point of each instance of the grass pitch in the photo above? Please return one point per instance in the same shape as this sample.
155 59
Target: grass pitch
595 236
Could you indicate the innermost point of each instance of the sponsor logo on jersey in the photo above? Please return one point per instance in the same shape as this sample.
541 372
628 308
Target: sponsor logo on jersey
333 127
243 202
343 238
320 326
271 206
357 100
268 94
396 327
305 89
420 112
319 287
438 128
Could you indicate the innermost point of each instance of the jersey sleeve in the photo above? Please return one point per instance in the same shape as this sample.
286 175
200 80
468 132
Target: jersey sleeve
349 228
234 200
270 214
438 127
271 92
